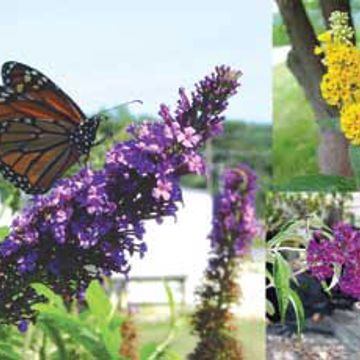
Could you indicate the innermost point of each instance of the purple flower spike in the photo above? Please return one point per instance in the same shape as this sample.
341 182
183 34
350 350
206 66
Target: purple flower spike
92 223
234 210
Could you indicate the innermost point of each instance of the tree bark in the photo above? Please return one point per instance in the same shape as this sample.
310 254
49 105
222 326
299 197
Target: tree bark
308 70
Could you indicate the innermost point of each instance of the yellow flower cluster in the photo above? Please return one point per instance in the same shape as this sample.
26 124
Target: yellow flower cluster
340 85
350 122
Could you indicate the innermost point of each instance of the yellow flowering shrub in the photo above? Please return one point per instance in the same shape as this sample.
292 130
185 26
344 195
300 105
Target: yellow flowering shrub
340 85
350 122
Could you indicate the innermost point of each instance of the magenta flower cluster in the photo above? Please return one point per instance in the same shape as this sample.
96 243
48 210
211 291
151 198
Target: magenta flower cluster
91 224
234 218
343 252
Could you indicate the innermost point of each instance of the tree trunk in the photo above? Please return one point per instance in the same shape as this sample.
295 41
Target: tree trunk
308 70
328 6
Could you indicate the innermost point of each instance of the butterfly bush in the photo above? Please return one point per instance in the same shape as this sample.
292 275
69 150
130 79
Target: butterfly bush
234 227
324 256
91 224
234 210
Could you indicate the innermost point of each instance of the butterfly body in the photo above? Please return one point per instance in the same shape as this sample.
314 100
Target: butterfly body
42 130
83 137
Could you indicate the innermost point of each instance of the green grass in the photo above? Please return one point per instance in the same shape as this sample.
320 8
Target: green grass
295 133
251 334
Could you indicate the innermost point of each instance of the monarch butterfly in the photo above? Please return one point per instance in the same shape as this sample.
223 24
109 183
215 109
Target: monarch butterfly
42 131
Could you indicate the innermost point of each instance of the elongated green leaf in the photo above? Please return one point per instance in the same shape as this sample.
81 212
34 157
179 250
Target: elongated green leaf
111 336
53 298
98 302
299 310
81 333
56 337
334 280
354 152
282 275
112 341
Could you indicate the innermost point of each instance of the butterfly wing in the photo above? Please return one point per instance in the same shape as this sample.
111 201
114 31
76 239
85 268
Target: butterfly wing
36 120
34 153
30 84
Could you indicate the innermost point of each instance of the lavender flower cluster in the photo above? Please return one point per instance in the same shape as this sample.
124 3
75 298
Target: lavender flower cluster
234 210
343 252
92 223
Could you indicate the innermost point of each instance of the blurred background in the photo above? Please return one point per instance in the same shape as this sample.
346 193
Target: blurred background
107 53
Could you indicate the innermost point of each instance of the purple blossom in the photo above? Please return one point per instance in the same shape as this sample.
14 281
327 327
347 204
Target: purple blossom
343 251
23 326
92 223
234 210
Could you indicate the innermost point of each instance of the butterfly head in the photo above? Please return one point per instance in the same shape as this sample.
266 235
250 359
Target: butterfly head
84 135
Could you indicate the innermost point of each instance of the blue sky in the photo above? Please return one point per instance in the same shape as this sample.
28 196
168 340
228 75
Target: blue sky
107 52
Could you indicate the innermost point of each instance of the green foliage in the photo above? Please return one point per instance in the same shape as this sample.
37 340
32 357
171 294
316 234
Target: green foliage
244 142
65 331
282 207
4 231
95 331
295 133
282 274
10 197
299 310
241 143
327 183
292 238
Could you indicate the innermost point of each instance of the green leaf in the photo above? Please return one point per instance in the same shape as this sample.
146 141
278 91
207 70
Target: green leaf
354 152
270 307
335 278
53 298
111 335
56 337
112 341
146 350
98 302
282 275
291 232
299 310
4 232
80 333
319 183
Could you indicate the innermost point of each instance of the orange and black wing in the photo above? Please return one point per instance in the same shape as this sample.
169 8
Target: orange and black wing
34 89
34 153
